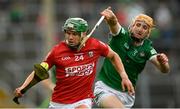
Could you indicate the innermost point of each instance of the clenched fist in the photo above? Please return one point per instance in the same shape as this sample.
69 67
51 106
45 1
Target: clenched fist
162 58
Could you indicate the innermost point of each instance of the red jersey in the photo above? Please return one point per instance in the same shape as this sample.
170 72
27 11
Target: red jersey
75 71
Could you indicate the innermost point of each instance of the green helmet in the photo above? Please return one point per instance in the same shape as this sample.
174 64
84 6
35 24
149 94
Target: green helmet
76 24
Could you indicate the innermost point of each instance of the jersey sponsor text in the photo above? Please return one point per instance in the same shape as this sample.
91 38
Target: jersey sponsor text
82 70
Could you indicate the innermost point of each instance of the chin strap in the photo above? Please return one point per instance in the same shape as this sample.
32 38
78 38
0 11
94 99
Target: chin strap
137 39
72 47
76 46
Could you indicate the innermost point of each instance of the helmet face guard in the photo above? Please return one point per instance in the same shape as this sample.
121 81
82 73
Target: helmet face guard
78 25
75 24
145 18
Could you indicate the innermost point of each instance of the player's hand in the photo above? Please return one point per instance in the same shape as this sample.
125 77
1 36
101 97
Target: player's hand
162 58
18 93
126 83
109 16
107 13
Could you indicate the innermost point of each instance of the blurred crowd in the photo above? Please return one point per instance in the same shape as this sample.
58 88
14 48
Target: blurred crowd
29 28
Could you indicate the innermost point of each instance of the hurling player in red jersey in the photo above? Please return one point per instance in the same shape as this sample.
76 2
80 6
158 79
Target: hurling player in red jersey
76 70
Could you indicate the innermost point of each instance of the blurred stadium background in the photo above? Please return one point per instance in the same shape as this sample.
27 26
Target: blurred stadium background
29 28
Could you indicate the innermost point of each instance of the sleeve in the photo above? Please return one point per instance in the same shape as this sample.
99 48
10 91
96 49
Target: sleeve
50 58
151 53
104 48
120 32
122 35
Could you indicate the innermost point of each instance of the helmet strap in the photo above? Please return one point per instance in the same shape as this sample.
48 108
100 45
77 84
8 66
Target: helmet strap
81 36
75 47
138 40
72 47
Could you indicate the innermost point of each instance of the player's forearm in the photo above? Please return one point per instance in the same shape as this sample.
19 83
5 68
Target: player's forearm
119 66
162 65
164 68
115 29
28 80
111 20
113 24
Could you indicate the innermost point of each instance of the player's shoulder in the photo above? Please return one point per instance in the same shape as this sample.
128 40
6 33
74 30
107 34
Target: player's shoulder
95 41
92 39
148 46
148 42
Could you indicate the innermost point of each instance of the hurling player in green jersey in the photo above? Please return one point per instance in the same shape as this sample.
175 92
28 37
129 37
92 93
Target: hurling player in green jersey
135 49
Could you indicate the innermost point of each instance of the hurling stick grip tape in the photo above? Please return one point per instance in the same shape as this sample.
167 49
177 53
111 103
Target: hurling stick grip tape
39 75
34 81
15 99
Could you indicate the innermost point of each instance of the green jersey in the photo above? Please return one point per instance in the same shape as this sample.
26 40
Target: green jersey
133 58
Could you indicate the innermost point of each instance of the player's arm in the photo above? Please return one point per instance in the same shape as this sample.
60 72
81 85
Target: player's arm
18 92
111 20
40 73
116 61
161 62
